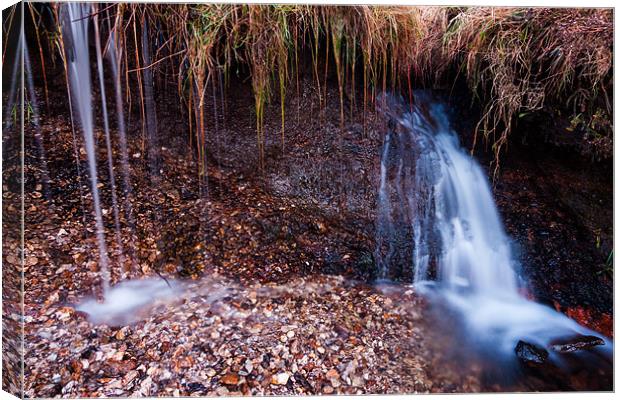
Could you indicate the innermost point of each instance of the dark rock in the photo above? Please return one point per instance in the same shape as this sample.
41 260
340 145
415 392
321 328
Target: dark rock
576 343
193 387
531 354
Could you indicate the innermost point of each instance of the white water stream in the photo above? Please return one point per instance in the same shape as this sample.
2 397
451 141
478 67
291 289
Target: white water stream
124 299
436 212
76 18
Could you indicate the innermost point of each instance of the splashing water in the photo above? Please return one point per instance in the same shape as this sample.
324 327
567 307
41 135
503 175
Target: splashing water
124 301
437 223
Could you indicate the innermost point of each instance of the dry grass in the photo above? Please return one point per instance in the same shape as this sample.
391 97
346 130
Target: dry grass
516 60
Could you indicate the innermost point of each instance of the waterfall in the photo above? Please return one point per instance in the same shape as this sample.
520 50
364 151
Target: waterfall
33 106
108 141
114 57
437 223
75 21
125 299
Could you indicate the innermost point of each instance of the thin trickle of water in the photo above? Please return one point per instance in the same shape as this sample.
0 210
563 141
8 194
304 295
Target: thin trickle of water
447 233
384 231
151 117
114 59
75 22
33 108
216 122
108 142
13 99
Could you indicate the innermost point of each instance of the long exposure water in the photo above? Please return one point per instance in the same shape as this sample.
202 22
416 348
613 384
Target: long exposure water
436 214
121 301
108 141
75 23
114 59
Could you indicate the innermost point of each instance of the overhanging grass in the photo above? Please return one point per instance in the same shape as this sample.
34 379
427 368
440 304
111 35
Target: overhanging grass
515 60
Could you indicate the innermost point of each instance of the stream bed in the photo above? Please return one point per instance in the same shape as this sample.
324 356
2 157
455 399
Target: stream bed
303 277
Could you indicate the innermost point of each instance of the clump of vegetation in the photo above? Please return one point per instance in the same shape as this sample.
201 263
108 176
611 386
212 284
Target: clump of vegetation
516 60
519 60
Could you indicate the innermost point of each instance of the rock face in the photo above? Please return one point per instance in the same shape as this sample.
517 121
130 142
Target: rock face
576 343
531 354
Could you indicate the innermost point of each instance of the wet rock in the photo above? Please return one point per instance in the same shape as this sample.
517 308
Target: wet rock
576 343
531 354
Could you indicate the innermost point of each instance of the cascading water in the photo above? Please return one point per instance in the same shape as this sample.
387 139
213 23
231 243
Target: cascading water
108 141
76 18
114 57
438 223
126 297
11 106
36 121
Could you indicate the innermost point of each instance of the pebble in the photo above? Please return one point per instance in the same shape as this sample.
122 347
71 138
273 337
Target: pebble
129 377
332 374
221 391
280 379
249 366
230 379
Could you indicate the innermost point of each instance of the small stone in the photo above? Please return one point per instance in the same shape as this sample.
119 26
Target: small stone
221 391
129 377
215 335
280 379
357 381
210 372
295 347
576 343
332 374
321 350
290 334
248 366
530 353
328 389
31 261
230 379
145 386
283 338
